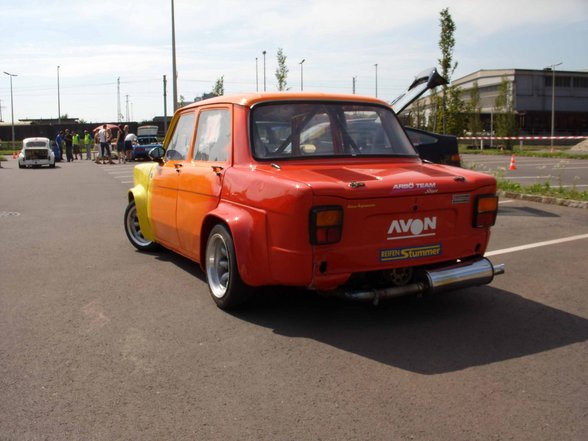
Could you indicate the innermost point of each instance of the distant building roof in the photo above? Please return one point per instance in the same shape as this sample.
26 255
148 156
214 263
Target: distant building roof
50 120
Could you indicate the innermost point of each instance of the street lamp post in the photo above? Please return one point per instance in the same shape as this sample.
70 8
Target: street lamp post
256 76
164 104
376 65
264 89
58 99
552 67
12 106
302 74
174 71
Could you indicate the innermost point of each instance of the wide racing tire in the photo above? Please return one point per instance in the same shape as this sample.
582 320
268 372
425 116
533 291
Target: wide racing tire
224 282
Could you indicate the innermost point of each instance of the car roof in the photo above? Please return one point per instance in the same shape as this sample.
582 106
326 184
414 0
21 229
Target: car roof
251 99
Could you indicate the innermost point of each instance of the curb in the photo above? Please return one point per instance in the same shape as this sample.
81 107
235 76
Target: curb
544 199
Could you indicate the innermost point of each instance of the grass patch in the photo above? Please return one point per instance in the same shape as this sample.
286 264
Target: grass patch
543 189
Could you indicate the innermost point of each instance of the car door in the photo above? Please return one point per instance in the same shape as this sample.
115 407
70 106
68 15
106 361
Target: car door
440 149
166 178
201 180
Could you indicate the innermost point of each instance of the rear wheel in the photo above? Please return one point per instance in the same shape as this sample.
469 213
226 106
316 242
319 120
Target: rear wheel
133 229
225 284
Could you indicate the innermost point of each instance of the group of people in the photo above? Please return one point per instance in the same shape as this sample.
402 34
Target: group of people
72 142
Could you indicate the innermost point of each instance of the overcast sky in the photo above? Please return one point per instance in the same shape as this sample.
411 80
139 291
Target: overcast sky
96 42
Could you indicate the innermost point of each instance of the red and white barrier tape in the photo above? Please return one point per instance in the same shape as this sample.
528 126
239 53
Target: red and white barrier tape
518 138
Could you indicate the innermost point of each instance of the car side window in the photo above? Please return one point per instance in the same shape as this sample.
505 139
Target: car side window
418 138
213 135
181 140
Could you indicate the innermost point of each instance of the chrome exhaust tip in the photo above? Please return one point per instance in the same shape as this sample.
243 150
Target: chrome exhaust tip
448 278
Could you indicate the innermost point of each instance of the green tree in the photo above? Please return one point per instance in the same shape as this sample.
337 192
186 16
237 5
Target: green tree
455 121
448 66
505 123
219 87
418 118
435 113
282 71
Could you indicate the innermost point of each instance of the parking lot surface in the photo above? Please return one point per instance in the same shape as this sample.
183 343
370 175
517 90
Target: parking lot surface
101 342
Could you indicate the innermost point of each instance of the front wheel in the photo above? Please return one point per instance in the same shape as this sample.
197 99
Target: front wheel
225 284
133 229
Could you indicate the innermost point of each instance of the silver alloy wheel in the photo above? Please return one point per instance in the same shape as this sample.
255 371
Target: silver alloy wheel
217 265
134 229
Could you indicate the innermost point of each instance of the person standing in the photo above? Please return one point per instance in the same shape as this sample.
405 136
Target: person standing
104 136
76 145
120 144
130 141
59 143
88 144
68 145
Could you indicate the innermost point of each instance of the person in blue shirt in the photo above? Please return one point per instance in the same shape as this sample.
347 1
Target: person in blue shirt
59 144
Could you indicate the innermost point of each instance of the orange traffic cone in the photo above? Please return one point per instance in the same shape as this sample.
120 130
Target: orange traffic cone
14 155
513 163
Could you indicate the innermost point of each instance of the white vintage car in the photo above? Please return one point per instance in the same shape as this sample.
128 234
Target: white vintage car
36 152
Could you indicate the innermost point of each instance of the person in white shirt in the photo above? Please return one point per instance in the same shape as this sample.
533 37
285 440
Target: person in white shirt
130 141
104 136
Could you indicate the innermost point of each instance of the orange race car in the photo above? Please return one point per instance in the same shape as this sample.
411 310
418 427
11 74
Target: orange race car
313 190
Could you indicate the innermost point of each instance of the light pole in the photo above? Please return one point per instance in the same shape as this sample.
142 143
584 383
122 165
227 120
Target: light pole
164 104
12 106
174 71
256 76
264 71
376 66
552 67
58 99
302 74
354 78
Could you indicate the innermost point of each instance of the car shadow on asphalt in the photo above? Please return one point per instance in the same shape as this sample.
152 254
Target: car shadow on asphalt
189 266
525 211
431 335
435 335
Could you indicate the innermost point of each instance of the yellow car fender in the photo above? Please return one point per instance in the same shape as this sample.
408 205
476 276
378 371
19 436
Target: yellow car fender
142 175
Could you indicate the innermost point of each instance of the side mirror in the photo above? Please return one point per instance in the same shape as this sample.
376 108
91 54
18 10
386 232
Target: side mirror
156 154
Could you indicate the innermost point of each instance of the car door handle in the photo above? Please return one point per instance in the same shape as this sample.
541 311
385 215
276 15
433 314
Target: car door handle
217 169
178 167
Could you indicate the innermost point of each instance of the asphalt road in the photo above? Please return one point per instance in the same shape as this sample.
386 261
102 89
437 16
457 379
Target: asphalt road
569 173
101 342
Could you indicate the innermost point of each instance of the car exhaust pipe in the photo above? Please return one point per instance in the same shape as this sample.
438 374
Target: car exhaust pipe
461 275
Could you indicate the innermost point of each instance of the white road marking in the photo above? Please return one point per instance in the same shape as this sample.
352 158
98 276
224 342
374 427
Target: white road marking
507 201
536 245
530 177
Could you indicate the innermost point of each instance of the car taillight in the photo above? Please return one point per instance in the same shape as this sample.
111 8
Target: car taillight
485 210
326 225
456 159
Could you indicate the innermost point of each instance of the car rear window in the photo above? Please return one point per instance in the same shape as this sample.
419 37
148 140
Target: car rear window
36 144
323 129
